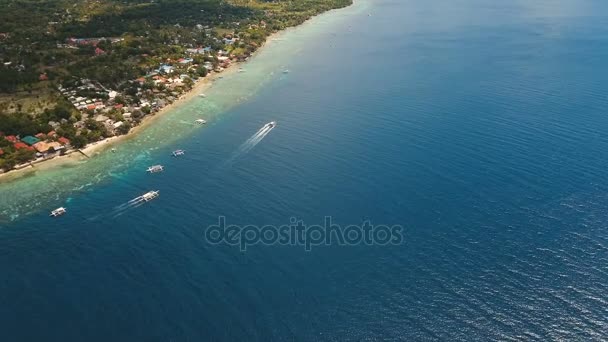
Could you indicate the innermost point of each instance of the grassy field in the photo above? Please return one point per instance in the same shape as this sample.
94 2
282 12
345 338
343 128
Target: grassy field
41 96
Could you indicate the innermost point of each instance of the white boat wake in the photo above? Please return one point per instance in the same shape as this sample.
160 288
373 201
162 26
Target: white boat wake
121 209
254 140
134 203
250 143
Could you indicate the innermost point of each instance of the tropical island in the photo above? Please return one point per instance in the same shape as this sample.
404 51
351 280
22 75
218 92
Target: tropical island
73 74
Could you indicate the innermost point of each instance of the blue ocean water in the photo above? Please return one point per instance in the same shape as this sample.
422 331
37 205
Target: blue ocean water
479 126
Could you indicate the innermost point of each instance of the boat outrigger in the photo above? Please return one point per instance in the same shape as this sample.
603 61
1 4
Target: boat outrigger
178 153
58 212
155 168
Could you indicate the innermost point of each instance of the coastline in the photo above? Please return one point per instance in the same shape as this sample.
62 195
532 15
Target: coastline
78 156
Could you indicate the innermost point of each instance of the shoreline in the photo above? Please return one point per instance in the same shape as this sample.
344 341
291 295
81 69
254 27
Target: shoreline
78 156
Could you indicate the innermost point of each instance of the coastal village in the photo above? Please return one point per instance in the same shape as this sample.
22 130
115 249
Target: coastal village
69 79
116 112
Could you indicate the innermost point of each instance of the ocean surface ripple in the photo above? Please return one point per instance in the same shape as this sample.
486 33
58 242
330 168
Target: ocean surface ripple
478 126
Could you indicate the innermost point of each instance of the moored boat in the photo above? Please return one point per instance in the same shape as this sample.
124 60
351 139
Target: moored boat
178 153
155 168
200 121
58 212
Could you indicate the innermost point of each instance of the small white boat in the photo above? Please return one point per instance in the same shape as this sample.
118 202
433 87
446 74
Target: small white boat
178 153
202 95
271 124
286 71
241 70
155 168
150 195
200 121
58 212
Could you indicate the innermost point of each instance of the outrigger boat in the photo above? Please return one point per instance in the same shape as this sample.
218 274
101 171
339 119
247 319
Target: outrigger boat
58 212
155 168
150 195
200 121
178 153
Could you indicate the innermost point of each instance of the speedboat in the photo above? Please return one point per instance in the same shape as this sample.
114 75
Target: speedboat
178 153
150 195
270 124
155 168
58 212
200 121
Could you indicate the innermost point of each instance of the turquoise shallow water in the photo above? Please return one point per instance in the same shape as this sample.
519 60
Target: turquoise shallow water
479 127
52 188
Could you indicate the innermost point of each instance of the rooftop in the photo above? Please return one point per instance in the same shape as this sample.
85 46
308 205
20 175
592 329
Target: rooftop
30 140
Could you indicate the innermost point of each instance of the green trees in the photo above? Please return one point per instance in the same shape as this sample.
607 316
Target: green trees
79 141
11 78
124 129
19 124
63 110
202 71
8 162
23 155
188 82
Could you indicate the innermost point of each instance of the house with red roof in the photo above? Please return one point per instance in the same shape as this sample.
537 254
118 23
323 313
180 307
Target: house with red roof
19 145
11 138
64 141
1 152
99 51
